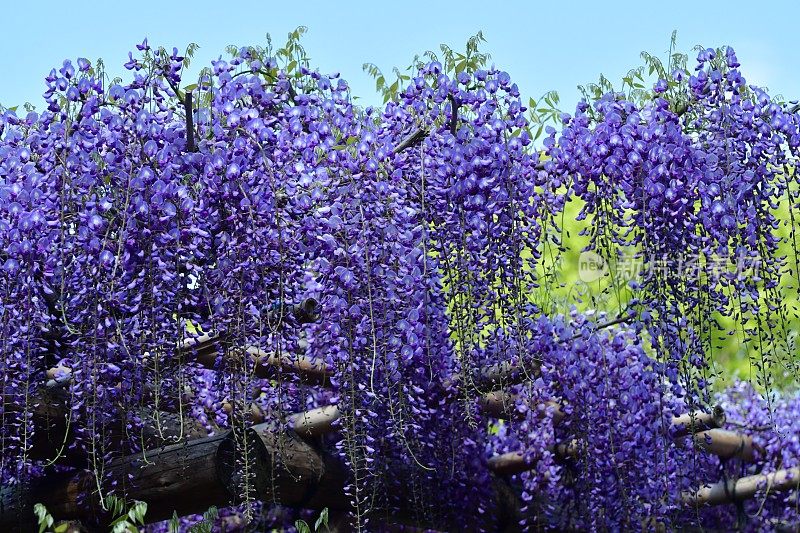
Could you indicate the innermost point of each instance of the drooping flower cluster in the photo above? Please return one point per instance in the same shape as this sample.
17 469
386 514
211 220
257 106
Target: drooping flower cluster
696 192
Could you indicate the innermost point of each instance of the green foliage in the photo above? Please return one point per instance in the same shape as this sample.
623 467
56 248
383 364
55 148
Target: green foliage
291 57
453 62
125 519
303 527
542 112
44 518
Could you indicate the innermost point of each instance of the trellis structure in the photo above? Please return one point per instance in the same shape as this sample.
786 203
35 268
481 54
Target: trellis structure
291 468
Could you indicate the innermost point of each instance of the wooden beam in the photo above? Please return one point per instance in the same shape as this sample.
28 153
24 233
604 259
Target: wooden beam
266 365
695 421
184 478
734 490
188 478
511 463
726 444
315 422
501 404
723 443
321 421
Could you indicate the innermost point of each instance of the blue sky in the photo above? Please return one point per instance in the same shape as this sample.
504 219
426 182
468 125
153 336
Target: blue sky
543 45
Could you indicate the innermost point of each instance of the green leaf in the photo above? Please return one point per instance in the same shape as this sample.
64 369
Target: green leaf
44 518
174 523
322 520
190 88
302 527
120 520
137 512
211 514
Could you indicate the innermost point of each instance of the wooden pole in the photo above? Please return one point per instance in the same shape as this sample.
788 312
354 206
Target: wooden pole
726 444
267 365
695 421
511 463
731 491
315 422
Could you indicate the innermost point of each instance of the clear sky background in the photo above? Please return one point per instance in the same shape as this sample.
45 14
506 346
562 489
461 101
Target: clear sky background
543 45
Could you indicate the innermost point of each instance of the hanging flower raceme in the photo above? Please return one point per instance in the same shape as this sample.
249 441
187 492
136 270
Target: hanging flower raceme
695 196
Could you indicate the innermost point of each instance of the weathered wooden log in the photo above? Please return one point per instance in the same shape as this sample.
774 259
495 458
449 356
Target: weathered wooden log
511 463
696 421
53 430
266 364
315 422
726 444
291 471
188 478
744 488
183 478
